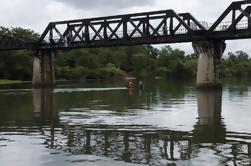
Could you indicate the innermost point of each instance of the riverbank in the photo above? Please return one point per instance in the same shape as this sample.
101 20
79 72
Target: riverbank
4 81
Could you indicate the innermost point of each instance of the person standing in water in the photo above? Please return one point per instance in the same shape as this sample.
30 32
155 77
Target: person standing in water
130 84
141 87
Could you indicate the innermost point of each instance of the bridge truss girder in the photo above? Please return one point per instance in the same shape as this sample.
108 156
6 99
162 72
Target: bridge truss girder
140 28
164 26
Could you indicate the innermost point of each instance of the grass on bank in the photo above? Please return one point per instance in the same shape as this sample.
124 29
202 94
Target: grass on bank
3 81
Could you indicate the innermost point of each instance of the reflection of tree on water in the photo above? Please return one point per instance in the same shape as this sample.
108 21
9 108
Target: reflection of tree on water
155 92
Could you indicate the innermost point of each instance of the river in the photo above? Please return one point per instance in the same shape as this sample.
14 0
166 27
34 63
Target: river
102 123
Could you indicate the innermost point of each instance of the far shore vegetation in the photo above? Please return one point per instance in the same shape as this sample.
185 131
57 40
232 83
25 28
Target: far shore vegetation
115 62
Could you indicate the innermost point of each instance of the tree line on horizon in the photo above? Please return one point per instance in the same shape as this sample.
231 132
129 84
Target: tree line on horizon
116 62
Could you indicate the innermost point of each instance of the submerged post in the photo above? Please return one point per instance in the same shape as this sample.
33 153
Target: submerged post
43 69
209 54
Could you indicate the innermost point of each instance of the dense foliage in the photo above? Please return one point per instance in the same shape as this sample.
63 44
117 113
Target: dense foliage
236 65
116 62
140 61
17 64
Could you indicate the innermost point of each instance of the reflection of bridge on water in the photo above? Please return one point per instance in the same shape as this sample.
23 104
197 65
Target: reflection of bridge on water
141 144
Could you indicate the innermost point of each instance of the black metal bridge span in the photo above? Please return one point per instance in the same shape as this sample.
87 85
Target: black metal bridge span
141 28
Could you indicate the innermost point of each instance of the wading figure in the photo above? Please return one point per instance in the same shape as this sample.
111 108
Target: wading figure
130 85
141 87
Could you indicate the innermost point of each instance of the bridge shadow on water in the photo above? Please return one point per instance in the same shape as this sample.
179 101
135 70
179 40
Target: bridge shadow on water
140 144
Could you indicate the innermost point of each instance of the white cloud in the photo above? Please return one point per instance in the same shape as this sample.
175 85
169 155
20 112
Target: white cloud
101 4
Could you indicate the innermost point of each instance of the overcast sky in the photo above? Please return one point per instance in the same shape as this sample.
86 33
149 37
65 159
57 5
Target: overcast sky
36 14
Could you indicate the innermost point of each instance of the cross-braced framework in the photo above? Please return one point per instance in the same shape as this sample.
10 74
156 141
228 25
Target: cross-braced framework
164 26
234 23
141 28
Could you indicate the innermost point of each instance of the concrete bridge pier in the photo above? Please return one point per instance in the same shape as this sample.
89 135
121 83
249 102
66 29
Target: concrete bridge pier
43 69
209 54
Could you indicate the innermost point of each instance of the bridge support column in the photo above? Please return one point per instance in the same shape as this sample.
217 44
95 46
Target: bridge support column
209 54
43 69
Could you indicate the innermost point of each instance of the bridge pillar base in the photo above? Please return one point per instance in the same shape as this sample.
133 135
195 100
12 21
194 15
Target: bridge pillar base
209 54
43 70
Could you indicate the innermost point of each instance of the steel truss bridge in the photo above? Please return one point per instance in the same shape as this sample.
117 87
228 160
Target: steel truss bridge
164 26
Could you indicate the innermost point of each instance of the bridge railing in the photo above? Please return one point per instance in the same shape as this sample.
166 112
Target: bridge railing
224 26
